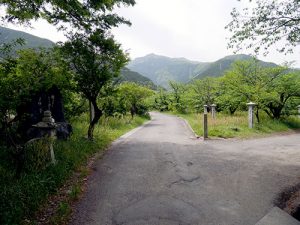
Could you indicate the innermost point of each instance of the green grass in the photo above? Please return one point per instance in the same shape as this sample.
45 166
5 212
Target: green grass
227 126
21 198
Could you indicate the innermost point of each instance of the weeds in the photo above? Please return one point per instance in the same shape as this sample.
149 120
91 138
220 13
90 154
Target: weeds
20 198
227 126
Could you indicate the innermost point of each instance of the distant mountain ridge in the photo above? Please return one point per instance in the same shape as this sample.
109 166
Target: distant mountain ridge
162 69
130 76
7 35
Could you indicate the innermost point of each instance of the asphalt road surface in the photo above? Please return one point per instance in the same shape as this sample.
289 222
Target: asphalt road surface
161 175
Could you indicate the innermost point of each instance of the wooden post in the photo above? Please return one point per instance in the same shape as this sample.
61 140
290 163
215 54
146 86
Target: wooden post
205 127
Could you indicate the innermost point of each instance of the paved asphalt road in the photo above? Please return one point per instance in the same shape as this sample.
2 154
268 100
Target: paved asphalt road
160 175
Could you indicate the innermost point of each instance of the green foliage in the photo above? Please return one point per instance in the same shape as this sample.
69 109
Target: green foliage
229 126
264 25
29 73
134 96
81 15
74 104
162 101
269 88
177 92
37 154
275 90
95 59
203 92
20 198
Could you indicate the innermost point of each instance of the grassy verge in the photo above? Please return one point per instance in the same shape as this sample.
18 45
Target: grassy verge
227 126
21 198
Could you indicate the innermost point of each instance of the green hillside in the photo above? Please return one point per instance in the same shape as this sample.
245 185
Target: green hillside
219 67
131 76
31 41
161 69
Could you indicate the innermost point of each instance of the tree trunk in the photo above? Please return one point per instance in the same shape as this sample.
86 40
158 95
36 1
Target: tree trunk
133 111
257 115
97 114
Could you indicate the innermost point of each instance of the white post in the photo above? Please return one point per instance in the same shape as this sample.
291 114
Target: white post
205 109
298 110
213 111
250 114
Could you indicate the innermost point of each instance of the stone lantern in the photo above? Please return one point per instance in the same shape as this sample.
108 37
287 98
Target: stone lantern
47 128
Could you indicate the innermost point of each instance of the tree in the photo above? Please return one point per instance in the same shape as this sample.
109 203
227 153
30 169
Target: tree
177 91
204 92
134 96
264 86
94 59
26 75
283 88
227 97
266 24
81 15
162 100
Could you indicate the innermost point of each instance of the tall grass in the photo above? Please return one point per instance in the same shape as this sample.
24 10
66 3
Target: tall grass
20 198
227 126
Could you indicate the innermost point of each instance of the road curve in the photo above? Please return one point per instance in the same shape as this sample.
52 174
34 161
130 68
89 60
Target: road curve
161 175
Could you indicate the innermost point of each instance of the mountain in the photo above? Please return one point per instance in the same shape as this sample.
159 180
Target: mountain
7 35
131 76
161 69
218 68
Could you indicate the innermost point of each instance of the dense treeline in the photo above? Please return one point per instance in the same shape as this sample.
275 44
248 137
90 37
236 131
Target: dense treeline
27 74
275 90
30 71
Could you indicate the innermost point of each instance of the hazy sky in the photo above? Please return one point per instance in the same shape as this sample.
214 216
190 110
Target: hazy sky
193 29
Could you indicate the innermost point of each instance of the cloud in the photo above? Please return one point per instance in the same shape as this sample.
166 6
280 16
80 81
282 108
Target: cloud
193 29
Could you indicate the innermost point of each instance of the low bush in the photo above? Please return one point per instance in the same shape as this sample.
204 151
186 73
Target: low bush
20 198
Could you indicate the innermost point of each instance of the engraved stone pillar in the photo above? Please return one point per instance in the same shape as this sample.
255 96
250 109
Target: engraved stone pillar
213 111
205 109
251 106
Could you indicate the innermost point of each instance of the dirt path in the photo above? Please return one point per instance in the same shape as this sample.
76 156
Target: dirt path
160 175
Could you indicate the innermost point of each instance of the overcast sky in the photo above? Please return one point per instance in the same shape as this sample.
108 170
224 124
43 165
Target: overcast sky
192 29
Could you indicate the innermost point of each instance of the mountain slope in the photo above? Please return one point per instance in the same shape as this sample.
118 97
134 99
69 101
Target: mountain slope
7 35
161 69
219 67
131 76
